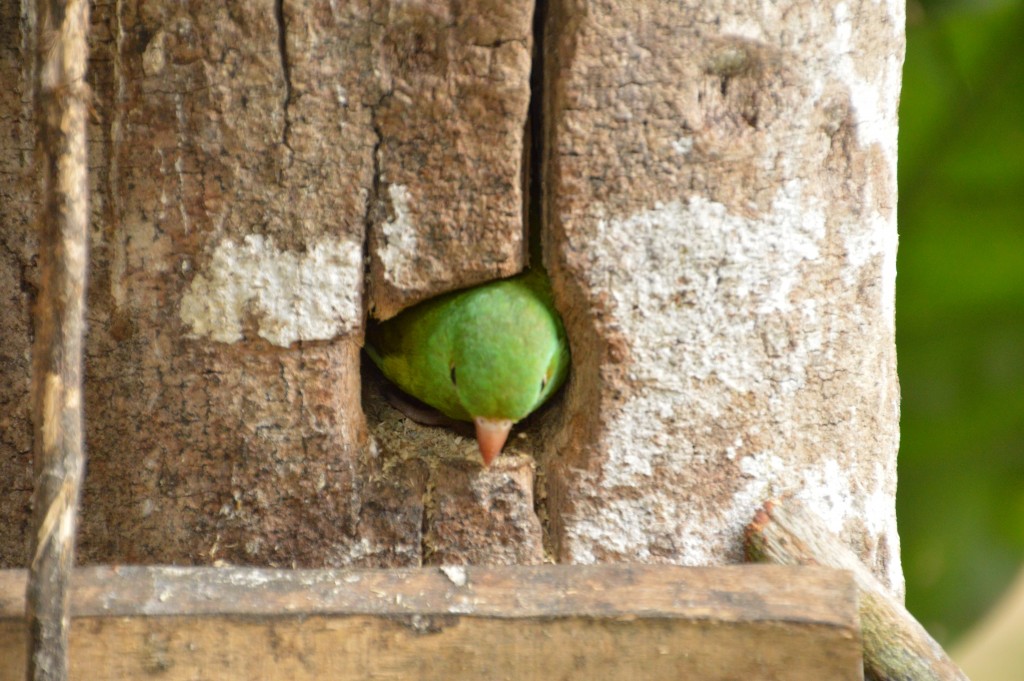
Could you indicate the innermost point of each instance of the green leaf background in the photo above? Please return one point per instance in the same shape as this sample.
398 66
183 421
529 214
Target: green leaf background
960 308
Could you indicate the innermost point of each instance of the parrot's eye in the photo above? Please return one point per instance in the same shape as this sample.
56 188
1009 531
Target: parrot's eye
452 374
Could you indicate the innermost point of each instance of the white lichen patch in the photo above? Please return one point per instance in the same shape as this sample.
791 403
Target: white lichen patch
683 145
315 295
623 527
688 269
399 245
678 287
456 574
872 85
875 96
725 332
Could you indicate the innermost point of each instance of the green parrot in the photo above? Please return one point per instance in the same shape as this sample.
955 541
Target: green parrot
490 354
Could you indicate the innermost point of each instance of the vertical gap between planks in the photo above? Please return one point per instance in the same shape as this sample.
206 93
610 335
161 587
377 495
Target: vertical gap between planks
535 214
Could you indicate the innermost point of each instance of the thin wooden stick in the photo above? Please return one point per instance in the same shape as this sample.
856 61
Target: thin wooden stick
896 646
62 104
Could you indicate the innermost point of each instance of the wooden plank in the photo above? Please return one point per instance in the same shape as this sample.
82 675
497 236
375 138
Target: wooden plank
553 621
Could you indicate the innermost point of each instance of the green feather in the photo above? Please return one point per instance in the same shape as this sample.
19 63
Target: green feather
497 350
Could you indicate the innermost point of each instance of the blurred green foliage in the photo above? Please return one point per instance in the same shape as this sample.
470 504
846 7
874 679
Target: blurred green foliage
960 308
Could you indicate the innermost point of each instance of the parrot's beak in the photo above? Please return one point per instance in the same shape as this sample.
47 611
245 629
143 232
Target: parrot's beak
490 436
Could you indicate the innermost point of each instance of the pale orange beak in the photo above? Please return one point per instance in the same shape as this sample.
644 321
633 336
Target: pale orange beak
490 436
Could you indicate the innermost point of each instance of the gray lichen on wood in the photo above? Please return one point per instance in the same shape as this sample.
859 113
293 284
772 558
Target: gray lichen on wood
721 232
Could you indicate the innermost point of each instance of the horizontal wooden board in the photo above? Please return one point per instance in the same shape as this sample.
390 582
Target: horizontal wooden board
546 622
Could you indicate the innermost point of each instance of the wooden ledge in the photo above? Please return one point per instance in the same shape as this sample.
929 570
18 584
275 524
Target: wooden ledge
555 621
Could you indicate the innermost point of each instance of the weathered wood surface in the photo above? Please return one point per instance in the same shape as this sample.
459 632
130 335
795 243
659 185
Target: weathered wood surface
245 160
720 201
62 105
451 123
896 646
465 514
718 218
596 622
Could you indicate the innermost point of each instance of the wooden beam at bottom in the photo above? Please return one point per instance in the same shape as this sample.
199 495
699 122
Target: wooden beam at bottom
548 622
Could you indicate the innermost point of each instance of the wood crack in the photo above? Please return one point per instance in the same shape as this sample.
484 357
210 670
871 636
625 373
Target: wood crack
282 50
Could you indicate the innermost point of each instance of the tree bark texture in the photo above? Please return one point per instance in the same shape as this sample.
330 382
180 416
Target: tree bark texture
721 232
19 200
718 193
244 153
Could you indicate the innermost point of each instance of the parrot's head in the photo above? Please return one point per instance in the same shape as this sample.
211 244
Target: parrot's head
504 365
